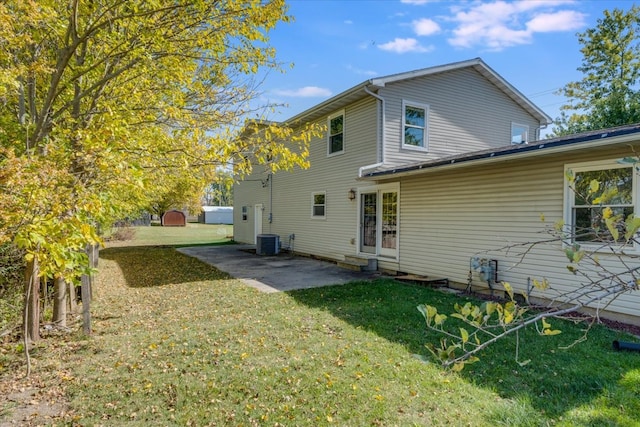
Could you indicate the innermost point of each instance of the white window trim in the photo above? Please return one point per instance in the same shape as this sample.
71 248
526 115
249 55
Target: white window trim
333 116
569 197
313 196
526 127
425 138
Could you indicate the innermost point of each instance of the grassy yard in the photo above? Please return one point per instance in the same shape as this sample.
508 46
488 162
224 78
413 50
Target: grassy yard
192 234
177 342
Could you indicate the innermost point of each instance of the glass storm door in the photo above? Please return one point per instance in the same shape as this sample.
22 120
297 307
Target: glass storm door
368 218
379 223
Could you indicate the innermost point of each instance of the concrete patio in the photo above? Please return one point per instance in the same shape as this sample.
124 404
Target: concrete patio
282 272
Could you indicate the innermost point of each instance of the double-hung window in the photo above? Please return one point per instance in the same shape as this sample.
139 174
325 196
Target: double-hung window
597 193
415 133
335 136
318 205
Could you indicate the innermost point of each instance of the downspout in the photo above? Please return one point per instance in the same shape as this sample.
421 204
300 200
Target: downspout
270 179
380 142
539 131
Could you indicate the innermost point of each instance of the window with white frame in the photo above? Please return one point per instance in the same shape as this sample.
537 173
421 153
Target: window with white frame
519 134
318 206
244 213
415 117
598 191
335 136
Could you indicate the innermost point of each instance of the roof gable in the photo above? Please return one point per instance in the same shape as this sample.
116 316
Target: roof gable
360 91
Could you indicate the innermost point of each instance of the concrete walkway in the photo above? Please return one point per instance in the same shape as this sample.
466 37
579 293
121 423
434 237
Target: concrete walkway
281 272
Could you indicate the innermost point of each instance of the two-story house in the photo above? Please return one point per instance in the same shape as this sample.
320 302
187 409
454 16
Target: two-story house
423 171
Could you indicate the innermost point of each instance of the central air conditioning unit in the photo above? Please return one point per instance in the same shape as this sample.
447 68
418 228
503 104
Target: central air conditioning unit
267 244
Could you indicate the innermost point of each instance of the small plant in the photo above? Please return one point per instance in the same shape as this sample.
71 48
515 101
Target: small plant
480 326
122 234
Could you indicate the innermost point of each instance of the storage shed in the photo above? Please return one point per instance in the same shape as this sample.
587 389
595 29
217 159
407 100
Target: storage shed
173 219
216 215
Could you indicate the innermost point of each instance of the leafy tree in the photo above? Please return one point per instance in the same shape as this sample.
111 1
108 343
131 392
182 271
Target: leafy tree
179 193
109 106
220 192
607 95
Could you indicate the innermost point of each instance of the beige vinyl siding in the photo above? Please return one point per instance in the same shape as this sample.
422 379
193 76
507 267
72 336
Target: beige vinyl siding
332 236
466 113
448 217
453 98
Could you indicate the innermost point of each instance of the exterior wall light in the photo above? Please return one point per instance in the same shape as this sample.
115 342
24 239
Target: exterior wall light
352 194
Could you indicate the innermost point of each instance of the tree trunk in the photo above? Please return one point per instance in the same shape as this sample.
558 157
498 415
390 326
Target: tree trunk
60 302
44 298
86 280
86 303
94 255
32 302
73 298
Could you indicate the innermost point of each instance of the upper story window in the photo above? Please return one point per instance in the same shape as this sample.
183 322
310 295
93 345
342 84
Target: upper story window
519 134
335 142
319 204
597 192
415 118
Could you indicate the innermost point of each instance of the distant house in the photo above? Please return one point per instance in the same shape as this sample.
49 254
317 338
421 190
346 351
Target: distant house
216 215
424 170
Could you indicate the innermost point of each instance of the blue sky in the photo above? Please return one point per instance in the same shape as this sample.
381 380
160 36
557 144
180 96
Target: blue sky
335 45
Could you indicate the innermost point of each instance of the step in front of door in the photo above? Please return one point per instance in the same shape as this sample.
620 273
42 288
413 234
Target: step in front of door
359 264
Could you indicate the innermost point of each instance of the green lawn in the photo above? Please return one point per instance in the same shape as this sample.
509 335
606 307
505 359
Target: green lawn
176 342
192 234
179 343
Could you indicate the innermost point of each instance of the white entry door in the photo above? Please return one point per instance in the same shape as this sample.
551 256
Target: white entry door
257 218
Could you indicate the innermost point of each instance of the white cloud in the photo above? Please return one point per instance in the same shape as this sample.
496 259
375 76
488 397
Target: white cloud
501 24
304 92
348 22
425 27
566 20
359 71
418 2
399 45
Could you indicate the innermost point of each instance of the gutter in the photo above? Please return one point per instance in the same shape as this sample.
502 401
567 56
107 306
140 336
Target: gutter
326 103
590 140
381 139
364 168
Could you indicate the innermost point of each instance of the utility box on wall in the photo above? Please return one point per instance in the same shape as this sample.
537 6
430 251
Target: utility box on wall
267 244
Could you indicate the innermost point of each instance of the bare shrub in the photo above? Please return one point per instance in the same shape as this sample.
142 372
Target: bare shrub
122 234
